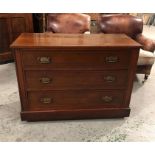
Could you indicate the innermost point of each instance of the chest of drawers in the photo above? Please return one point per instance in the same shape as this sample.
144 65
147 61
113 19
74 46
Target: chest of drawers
75 76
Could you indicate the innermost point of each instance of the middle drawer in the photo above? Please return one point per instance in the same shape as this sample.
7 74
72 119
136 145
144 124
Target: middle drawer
73 79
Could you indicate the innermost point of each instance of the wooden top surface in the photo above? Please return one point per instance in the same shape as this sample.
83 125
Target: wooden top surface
33 40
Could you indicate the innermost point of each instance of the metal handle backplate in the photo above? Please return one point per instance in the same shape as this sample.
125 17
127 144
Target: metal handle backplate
109 78
46 100
45 80
112 59
44 60
107 99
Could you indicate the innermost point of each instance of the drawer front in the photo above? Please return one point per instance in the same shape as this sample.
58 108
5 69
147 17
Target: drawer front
59 80
53 59
47 100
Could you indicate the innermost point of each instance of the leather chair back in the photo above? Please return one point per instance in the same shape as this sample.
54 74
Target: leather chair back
68 23
120 23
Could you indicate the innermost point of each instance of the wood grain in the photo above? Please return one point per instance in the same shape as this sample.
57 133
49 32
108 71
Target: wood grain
45 40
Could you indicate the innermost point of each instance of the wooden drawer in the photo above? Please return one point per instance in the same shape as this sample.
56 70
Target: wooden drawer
76 59
79 99
59 80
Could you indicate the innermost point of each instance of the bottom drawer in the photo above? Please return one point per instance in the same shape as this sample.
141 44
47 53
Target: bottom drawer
77 99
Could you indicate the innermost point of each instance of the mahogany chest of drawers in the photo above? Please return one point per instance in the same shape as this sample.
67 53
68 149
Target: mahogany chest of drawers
75 76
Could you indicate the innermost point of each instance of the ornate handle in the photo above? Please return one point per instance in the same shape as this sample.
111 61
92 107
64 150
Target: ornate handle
107 99
44 60
109 78
46 100
45 80
112 59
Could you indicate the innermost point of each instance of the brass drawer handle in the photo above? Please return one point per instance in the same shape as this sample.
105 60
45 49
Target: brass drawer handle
107 99
45 80
46 100
109 78
44 60
112 59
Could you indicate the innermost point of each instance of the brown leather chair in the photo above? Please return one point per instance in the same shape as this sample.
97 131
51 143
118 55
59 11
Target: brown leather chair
68 23
133 27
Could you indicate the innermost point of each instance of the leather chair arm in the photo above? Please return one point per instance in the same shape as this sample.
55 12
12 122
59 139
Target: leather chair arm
147 43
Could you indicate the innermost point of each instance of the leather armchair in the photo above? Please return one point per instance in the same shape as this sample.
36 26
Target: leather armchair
133 27
68 23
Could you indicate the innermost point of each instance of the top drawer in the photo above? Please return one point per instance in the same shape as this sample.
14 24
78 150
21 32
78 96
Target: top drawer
76 59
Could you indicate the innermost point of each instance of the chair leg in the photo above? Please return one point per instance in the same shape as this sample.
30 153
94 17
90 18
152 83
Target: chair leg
146 77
